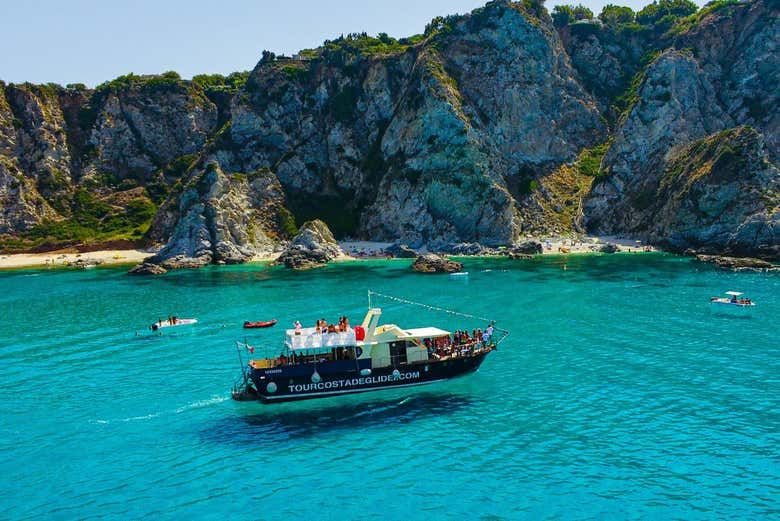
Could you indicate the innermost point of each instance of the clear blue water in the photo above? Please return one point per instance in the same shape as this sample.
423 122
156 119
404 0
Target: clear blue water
618 395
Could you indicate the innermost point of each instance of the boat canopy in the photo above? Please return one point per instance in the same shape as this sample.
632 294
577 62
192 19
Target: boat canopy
425 332
733 293
309 338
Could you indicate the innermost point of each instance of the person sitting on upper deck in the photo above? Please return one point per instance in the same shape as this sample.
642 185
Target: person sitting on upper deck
298 327
331 328
346 323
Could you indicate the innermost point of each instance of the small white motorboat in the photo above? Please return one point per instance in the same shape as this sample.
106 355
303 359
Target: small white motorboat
735 301
173 322
459 274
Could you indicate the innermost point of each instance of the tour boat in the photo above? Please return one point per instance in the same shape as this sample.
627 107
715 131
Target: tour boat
368 357
256 325
173 322
732 302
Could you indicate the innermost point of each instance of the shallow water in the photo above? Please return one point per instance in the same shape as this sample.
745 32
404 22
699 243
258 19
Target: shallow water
618 394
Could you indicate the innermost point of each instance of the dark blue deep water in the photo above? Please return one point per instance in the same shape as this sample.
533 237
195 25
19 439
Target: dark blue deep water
618 394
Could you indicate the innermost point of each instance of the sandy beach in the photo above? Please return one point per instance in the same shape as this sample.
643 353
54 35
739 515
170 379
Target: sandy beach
550 246
64 259
354 250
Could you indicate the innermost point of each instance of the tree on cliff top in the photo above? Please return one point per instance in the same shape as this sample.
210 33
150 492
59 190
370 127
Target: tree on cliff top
565 14
665 12
615 15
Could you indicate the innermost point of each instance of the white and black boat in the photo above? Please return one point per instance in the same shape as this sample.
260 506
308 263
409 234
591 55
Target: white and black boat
364 358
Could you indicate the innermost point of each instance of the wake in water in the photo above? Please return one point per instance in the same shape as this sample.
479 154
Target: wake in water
214 400
145 334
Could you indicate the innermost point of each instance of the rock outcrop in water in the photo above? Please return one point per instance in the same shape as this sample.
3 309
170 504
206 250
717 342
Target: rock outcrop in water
313 247
490 127
432 263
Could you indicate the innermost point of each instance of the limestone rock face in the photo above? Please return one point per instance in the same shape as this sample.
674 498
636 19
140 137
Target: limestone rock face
400 251
430 146
528 248
314 246
694 163
220 218
34 158
467 248
139 129
432 263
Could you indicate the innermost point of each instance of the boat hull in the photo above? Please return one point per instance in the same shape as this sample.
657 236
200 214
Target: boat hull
259 325
294 383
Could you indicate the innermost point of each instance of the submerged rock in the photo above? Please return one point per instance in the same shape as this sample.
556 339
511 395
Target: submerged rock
313 247
432 263
147 268
519 256
737 263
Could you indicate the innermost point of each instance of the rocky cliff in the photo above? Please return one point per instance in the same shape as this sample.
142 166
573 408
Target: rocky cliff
692 164
489 127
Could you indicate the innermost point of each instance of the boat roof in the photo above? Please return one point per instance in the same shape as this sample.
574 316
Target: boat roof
734 293
425 332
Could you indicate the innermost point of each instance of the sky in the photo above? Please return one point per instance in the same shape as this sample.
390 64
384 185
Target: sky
91 41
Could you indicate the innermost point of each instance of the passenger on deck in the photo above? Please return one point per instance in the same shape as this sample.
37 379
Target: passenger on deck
323 326
298 327
331 328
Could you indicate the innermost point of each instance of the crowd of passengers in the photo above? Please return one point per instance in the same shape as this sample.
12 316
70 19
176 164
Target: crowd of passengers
322 326
460 343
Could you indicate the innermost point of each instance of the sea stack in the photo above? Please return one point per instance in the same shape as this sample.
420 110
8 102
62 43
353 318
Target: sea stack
432 263
313 247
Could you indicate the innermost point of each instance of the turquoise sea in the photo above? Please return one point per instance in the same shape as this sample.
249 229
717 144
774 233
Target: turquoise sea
618 395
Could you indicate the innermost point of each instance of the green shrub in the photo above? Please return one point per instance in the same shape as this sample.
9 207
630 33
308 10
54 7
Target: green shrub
589 160
661 12
615 15
286 222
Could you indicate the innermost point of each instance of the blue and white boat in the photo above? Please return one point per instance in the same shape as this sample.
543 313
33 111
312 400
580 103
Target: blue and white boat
368 357
734 302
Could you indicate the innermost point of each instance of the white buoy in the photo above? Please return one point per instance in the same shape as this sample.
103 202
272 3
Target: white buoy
271 387
316 378
396 374
365 372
